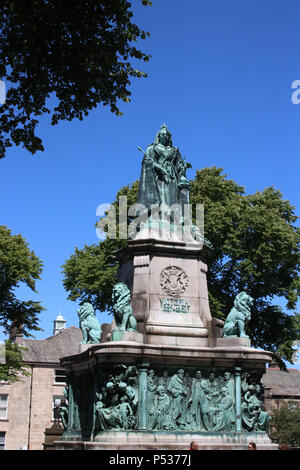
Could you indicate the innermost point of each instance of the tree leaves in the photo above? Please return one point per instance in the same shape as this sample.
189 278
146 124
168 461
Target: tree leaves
77 50
14 367
18 265
285 425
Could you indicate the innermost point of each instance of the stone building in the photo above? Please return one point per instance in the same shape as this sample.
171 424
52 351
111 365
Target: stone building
281 387
26 407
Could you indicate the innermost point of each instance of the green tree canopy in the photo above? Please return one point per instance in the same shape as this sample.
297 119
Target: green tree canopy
255 248
18 266
81 51
285 425
14 368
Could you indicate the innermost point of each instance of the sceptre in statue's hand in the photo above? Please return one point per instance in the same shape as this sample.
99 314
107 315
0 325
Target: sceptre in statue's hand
155 164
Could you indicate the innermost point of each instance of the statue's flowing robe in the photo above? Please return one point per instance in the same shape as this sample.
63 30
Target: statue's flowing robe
159 186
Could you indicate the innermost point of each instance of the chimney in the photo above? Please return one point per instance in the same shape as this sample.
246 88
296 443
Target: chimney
16 334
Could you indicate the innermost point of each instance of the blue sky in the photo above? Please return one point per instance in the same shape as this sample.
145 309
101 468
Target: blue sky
220 77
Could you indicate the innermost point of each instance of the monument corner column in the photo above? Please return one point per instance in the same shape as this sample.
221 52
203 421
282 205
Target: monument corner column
142 403
238 399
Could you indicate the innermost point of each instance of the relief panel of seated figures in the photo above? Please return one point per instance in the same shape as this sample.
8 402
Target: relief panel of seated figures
175 399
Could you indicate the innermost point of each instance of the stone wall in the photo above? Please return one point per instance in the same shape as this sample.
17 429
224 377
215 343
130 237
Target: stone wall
29 409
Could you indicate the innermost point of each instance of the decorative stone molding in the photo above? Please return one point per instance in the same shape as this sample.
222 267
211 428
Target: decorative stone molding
141 261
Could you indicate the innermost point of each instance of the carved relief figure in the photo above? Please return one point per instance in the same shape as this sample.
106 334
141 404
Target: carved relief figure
245 385
125 412
199 403
160 411
131 392
229 384
116 404
253 415
213 389
262 417
151 389
224 417
164 379
178 392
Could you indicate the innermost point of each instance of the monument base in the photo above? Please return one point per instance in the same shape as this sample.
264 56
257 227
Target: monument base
171 414
122 335
233 342
145 440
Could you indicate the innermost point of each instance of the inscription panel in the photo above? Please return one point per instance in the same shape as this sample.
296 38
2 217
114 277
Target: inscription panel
174 305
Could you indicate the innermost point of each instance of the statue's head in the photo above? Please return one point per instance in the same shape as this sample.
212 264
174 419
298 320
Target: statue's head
160 390
224 391
211 377
243 300
164 136
85 310
120 290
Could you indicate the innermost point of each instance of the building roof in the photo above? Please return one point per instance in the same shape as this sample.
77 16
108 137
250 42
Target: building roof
282 383
50 350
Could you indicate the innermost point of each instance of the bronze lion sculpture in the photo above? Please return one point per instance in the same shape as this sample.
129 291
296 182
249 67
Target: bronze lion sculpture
239 316
88 323
121 300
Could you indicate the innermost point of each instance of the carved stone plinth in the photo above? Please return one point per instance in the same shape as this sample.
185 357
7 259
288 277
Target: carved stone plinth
121 335
140 440
169 290
233 342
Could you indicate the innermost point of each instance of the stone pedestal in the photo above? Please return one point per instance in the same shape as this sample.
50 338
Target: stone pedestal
139 440
173 380
169 290
52 435
121 335
233 342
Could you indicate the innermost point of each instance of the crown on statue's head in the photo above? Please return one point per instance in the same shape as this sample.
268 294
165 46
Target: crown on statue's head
164 127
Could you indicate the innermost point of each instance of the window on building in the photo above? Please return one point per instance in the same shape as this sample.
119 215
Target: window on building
292 405
60 376
3 406
2 440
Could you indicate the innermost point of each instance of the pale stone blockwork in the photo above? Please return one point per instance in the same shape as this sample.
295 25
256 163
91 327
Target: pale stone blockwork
29 409
30 401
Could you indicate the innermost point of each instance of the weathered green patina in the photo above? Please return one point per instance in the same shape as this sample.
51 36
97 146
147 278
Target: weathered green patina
175 375
88 323
127 397
239 316
123 315
163 178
